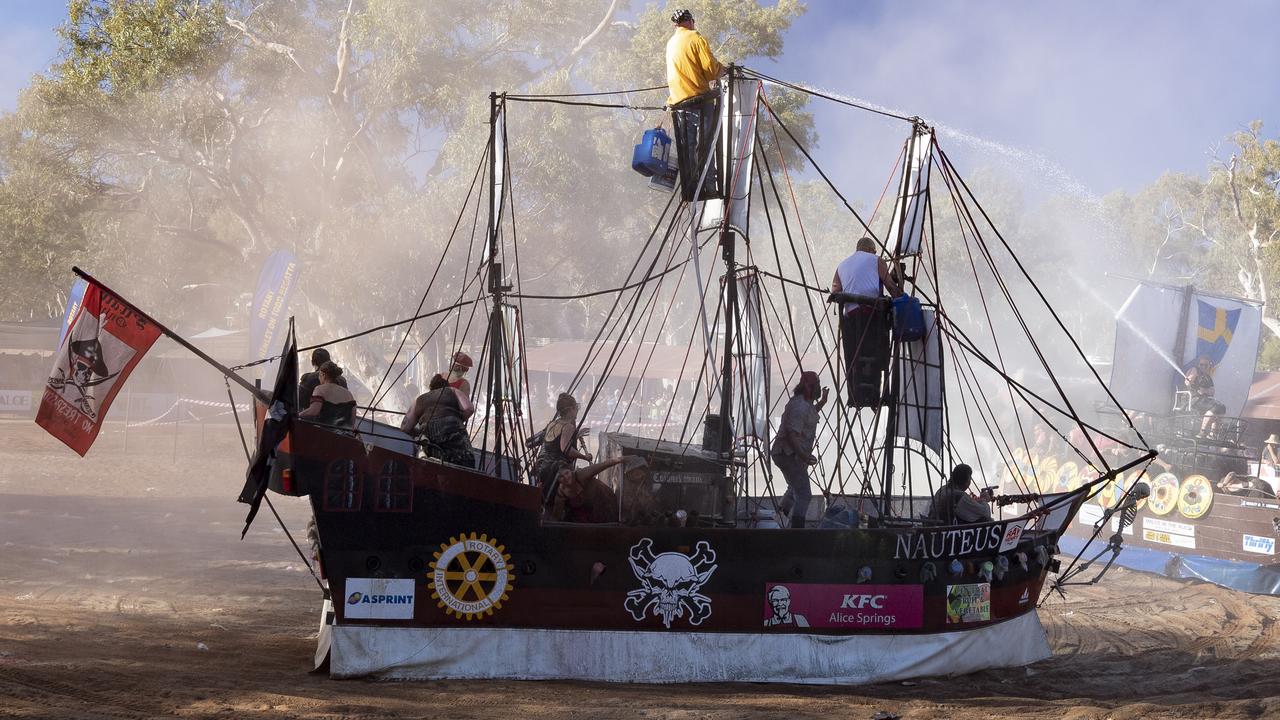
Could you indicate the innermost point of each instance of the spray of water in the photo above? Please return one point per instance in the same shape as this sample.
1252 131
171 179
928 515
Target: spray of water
1027 160
1115 313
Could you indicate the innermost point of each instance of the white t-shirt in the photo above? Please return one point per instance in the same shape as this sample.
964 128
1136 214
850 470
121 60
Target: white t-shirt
859 275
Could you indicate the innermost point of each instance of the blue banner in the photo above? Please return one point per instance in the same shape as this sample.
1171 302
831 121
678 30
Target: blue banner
73 304
276 282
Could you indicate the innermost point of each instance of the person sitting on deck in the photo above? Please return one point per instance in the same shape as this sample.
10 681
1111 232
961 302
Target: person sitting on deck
308 383
1199 381
691 68
1246 486
331 403
559 447
953 505
581 497
864 332
437 419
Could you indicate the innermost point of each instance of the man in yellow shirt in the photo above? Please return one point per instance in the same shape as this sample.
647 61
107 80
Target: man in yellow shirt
691 68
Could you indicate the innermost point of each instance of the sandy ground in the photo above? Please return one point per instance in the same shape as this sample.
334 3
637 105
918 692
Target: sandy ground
125 592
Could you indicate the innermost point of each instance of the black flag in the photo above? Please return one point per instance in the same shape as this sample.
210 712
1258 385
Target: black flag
275 426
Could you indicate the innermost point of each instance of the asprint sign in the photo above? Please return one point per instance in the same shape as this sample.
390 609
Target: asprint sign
379 599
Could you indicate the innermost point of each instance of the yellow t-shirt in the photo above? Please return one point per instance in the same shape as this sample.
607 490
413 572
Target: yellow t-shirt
690 65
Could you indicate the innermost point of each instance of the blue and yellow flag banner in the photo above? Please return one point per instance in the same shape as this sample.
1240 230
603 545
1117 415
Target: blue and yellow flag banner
1214 331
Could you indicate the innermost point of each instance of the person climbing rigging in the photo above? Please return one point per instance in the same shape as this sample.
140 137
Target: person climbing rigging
691 68
864 330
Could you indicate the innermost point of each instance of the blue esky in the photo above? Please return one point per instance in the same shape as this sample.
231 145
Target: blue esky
1111 94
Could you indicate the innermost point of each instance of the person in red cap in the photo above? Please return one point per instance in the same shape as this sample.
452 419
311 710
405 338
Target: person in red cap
792 449
458 373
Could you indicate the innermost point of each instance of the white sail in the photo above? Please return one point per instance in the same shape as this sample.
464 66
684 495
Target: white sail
499 186
920 399
909 211
739 146
751 363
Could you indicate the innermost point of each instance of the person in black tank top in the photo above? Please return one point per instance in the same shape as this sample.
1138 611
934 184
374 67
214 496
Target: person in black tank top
437 420
559 447
331 403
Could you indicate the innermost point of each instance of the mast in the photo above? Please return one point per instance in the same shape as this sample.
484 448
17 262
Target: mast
496 288
895 348
731 280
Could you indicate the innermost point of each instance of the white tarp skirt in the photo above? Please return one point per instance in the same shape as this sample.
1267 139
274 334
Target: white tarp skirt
677 657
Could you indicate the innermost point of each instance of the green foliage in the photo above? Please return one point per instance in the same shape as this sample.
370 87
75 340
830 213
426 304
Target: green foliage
177 143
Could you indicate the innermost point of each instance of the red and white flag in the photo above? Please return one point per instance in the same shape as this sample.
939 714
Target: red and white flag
106 339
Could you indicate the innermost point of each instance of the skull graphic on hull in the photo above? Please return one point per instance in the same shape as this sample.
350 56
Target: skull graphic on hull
670 583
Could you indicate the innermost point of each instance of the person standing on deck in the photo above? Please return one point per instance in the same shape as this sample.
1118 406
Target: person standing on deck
863 331
691 68
457 380
792 449
559 447
436 420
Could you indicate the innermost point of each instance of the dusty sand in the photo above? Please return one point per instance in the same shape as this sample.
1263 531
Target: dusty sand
125 592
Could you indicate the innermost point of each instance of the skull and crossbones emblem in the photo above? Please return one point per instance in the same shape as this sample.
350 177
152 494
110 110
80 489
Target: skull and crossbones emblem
86 368
671 581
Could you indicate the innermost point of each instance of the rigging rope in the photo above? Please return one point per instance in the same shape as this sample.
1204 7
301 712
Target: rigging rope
825 96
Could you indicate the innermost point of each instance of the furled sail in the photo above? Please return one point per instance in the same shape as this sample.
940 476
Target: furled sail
920 401
739 146
499 167
913 193
751 362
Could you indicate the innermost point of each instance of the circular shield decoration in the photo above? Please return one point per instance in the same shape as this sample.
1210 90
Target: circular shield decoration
1164 494
1083 476
1046 473
1067 473
1111 491
470 576
1134 480
1196 497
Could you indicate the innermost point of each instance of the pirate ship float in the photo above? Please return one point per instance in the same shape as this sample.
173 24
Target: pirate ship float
1212 513
442 571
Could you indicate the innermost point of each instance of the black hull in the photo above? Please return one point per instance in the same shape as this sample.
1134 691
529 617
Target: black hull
387 520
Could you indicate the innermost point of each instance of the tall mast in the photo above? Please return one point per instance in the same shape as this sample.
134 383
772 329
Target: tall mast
730 274
895 348
496 288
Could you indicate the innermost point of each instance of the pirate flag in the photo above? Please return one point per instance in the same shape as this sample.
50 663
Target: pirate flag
105 339
275 427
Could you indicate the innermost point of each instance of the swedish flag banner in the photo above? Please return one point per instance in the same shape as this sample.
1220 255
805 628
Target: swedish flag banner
1217 326
1146 371
1227 332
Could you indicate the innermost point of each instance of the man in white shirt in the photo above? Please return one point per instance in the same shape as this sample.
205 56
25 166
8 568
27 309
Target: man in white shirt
864 331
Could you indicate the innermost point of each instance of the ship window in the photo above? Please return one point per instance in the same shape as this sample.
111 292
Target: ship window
342 486
395 489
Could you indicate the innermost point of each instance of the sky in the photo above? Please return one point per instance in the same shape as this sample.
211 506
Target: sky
1094 95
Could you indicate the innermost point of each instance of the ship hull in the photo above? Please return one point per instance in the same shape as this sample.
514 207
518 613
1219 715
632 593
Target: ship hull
1187 528
438 571
443 653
